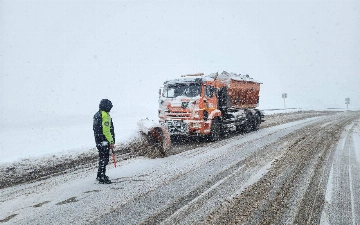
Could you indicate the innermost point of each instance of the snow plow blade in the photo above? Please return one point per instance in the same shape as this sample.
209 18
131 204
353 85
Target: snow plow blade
157 135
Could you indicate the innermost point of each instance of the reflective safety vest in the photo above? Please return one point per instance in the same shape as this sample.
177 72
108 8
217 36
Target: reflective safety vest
103 127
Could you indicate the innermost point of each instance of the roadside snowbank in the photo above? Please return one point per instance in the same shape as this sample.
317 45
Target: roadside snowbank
59 136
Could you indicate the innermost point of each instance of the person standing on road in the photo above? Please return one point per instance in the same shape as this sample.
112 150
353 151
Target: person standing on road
104 138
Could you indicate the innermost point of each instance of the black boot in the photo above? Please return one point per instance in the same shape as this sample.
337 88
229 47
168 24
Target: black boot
104 180
98 178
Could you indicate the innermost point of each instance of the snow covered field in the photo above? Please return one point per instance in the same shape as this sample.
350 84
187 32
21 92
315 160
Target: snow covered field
62 135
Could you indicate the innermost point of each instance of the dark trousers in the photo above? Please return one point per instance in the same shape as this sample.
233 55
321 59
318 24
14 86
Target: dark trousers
104 153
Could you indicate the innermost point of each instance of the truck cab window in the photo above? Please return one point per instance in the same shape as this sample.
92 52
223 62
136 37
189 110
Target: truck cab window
169 93
209 91
181 89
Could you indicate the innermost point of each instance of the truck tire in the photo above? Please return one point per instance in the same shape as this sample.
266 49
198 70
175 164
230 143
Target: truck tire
249 125
256 122
239 129
215 130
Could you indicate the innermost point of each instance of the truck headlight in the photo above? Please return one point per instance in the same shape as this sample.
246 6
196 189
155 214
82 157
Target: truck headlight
195 113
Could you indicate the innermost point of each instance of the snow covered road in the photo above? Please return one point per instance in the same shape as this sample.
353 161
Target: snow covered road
281 174
342 204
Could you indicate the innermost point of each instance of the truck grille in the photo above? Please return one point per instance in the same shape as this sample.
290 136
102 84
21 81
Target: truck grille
178 115
177 127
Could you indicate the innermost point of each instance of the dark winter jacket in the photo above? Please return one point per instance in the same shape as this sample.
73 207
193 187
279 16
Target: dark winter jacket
102 123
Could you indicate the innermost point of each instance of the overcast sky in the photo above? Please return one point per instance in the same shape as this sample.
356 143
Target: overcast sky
63 57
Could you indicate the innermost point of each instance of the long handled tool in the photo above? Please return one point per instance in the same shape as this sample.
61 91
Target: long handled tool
113 157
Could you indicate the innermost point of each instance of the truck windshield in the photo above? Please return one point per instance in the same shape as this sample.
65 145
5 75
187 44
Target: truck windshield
181 89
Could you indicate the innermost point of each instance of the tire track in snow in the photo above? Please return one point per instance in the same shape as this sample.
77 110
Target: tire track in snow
343 186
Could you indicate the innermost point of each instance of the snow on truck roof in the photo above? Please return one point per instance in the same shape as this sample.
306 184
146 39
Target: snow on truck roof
233 76
184 80
198 78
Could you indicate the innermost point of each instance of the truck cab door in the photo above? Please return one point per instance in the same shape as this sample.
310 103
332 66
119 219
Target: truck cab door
223 98
210 98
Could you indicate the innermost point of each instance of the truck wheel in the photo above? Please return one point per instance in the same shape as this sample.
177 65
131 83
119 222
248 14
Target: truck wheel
239 129
215 130
249 125
257 121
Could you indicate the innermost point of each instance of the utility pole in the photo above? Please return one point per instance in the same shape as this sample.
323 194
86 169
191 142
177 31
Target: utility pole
284 96
347 102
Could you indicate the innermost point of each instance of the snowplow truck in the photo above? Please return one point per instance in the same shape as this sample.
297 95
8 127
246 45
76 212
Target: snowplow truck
211 105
